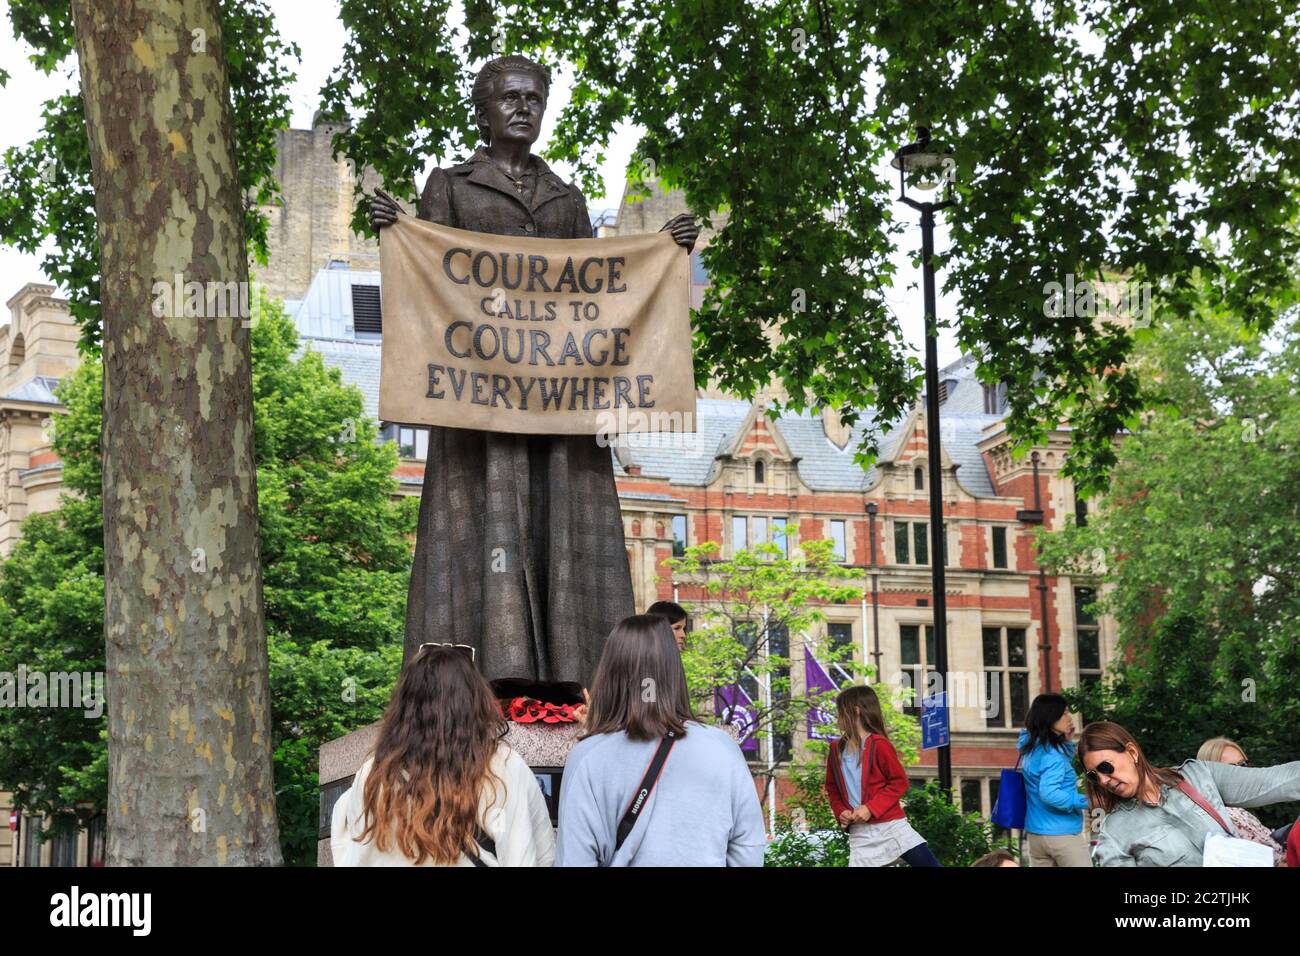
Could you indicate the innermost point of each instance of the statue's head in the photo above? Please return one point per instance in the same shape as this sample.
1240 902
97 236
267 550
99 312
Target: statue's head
509 98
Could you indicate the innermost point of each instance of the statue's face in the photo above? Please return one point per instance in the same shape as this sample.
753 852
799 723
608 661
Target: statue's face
514 111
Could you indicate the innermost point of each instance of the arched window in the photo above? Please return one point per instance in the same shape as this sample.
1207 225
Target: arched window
759 473
918 479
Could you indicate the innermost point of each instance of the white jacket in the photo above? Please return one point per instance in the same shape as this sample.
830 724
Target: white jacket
517 820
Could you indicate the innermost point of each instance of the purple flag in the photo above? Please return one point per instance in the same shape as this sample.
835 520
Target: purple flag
736 707
817 681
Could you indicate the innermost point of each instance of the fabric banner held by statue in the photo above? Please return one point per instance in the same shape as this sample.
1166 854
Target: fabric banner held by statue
535 336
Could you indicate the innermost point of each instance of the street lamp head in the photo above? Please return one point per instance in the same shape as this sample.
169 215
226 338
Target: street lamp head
930 163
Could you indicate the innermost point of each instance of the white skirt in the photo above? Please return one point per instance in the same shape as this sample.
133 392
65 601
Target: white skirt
880 844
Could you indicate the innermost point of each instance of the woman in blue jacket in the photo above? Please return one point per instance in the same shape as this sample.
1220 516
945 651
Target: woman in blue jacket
1053 821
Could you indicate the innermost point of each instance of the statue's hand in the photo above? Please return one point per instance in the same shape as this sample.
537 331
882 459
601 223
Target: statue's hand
383 210
684 230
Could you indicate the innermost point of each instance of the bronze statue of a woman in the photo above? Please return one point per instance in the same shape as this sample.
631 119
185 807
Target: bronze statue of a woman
519 549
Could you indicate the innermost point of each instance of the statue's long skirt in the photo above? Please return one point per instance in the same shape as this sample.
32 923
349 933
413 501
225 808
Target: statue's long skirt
519 553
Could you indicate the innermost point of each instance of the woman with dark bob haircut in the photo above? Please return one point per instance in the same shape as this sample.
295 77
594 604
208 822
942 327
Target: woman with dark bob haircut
1162 816
700 810
1054 806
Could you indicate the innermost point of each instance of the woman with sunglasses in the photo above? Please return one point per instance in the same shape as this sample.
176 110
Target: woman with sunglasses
442 787
1161 816
1247 825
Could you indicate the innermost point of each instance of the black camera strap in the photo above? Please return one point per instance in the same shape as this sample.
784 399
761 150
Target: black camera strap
484 842
643 792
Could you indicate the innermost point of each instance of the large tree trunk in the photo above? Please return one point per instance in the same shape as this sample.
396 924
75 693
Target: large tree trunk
189 754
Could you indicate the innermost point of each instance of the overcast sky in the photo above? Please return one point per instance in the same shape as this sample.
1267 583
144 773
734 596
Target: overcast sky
316 28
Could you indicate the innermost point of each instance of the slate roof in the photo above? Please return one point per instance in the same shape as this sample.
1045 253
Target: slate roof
40 389
359 363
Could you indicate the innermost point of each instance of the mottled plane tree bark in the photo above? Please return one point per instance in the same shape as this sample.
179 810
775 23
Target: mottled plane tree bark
189 755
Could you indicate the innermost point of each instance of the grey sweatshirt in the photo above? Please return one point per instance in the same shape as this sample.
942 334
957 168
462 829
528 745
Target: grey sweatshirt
1173 833
703 811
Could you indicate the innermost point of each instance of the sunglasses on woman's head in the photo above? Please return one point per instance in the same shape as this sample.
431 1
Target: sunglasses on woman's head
466 649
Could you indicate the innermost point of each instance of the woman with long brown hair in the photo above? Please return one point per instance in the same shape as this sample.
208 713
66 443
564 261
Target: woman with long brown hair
865 784
648 785
1155 816
442 787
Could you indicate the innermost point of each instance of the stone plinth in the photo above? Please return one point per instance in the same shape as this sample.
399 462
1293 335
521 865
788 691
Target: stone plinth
544 747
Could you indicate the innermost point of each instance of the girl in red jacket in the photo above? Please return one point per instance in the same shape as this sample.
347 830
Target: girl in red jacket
865 781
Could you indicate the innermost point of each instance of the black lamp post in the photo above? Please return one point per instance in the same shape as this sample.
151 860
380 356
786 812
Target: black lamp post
1035 516
872 510
929 163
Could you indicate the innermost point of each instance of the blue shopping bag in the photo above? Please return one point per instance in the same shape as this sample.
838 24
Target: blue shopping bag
1009 811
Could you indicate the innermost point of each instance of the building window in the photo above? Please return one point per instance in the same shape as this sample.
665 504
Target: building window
840 635
779 536
97 840
779 745
1006 676
995 399
917 662
753 530
999 547
971 800
739 533
63 848
679 536
837 536
1087 636
699 276
907 533
413 443
758 473
918 479
917 533
778 645
31 840
1080 512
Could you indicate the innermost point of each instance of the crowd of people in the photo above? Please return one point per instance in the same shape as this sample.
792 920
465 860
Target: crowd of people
1142 815
443 788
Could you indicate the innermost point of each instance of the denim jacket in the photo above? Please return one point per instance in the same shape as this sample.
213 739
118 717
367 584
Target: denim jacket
1173 833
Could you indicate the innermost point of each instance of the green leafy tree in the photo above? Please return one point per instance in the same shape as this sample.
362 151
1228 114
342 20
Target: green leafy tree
47 201
1092 138
1196 545
759 610
336 560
